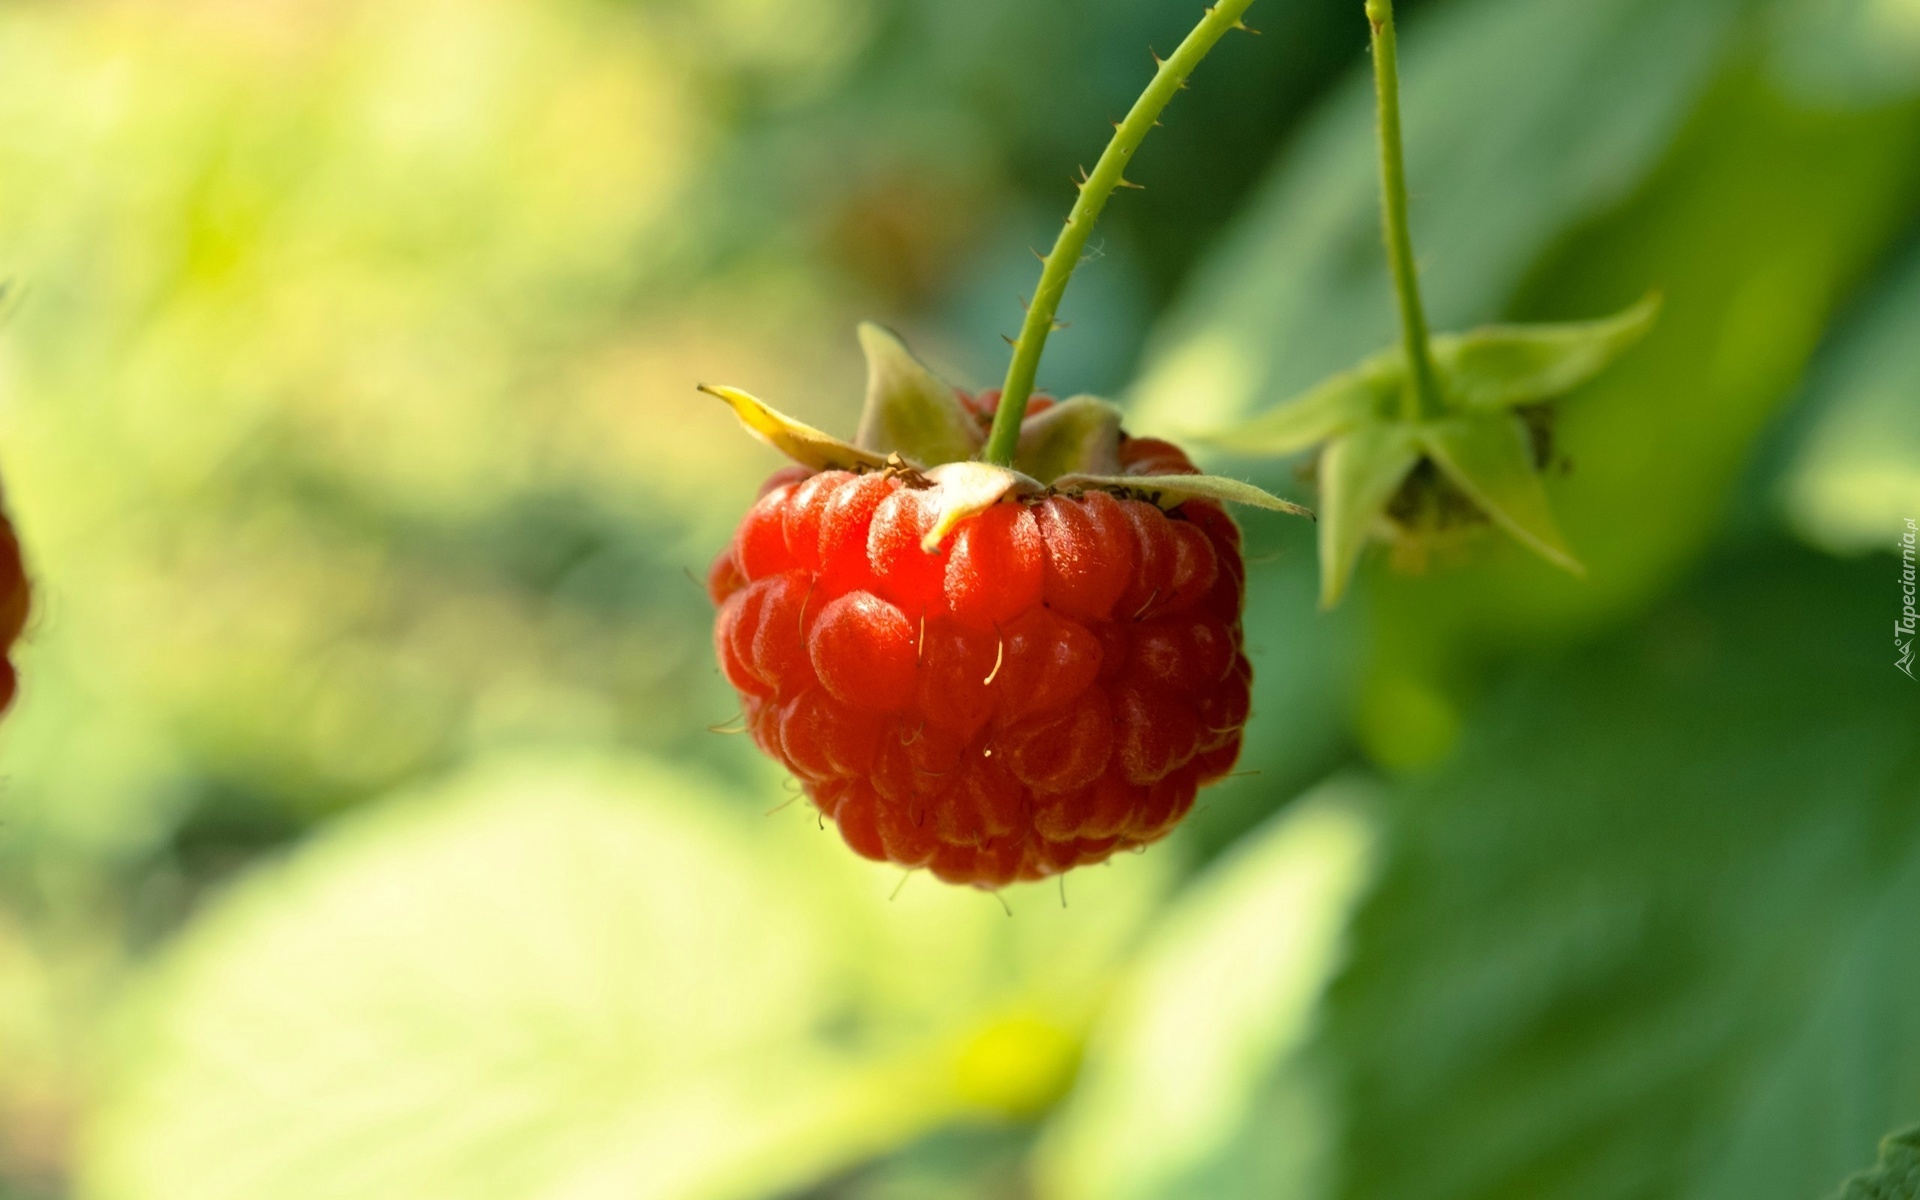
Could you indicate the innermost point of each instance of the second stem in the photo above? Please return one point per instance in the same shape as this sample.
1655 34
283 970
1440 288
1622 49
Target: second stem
1422 399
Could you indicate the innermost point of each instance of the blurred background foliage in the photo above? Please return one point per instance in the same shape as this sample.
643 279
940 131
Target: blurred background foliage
362 832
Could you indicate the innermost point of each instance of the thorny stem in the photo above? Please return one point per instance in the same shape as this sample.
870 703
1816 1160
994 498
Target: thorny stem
1107 174
1423 398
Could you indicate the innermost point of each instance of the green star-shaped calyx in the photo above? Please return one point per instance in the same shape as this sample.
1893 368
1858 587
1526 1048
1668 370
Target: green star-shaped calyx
1374 432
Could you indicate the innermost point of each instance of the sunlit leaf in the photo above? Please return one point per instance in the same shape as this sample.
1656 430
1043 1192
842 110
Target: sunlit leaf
1359 472
909 410
1080 435
798 441
1857 53
1225 989
1896 1176
1503 366
1854 479
1490 458
1170 490
572 978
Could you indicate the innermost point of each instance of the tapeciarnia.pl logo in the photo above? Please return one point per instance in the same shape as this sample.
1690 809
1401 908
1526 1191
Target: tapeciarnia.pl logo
1904 626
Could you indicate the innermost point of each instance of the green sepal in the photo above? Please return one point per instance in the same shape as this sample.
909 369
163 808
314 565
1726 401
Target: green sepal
1359 472
1080 435
1504 366
1170 491
1326 410
1490 458
966 489
909 410
1495 366
798 441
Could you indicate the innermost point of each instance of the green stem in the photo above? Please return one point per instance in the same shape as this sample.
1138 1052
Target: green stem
1107 174
1423 399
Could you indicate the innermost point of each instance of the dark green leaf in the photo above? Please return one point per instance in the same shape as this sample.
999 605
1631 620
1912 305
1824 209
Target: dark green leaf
1651 934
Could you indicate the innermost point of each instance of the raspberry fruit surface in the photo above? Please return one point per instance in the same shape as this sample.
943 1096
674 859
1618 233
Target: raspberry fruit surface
1048 687
15 601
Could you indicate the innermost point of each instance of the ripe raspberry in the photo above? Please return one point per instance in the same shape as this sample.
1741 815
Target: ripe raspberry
1049 686
15 600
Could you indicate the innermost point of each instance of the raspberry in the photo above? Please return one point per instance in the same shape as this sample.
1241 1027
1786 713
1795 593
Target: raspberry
1047 687
15 600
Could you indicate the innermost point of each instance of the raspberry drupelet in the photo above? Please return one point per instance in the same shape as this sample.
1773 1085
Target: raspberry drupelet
1048 686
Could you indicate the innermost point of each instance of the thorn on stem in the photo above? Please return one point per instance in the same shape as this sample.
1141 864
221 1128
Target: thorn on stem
1128 183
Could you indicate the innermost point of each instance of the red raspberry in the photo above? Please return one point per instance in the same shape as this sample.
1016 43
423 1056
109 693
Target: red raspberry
1048 687
15 600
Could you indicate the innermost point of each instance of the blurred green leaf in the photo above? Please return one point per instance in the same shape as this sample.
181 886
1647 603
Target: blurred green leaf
1895 1177
1225 988
1848 52
579 979
1651 933
1855 477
